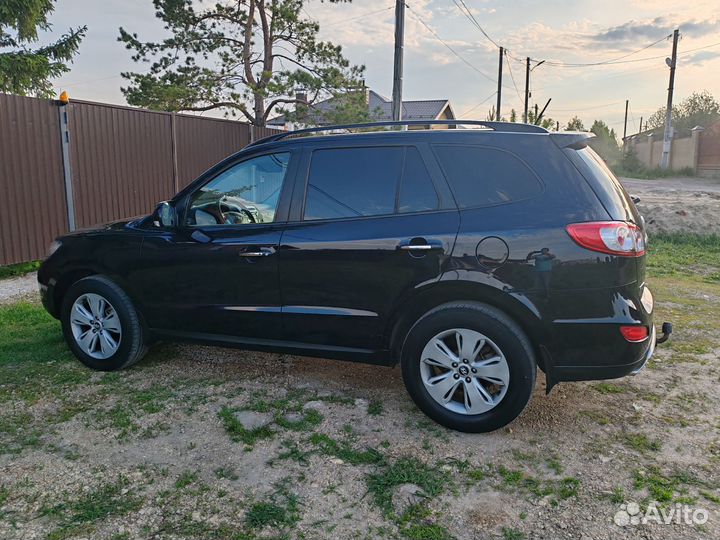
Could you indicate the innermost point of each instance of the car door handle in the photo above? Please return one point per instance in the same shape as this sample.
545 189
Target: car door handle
419 245
262 252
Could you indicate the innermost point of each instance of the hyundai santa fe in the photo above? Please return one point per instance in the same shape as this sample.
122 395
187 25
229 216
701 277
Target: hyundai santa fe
471 257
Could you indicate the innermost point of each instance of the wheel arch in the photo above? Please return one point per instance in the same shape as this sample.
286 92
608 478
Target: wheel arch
526 316
69 277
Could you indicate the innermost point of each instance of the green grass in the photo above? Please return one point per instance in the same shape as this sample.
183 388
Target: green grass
227 473
107 500
35 364
608 388
375 407
666 488
643 173
281 511
19 269
618 495
685 255
641 442
238 433
554 465
185 479
510 533
151 400
34 359
310 419
407 470
344 450
417 523
519 481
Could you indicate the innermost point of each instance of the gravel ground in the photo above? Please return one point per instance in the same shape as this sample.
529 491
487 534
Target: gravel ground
170 465
18 288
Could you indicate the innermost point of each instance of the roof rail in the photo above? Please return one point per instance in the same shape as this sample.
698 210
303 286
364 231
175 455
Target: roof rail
507 127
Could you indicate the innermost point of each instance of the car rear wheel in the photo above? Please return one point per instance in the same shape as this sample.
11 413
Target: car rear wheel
469 367
101 325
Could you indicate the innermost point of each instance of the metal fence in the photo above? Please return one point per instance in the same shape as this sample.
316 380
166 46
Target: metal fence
73 166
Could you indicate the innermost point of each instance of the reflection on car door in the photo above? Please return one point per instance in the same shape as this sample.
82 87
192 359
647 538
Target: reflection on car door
373 229
217 273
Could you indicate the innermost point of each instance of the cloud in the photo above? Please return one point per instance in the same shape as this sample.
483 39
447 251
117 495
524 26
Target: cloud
635 30
702 57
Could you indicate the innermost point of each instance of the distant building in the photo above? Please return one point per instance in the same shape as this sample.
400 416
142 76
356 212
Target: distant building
379 109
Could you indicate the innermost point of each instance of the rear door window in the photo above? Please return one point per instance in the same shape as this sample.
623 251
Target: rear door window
353 182
607 187
485 176
417 191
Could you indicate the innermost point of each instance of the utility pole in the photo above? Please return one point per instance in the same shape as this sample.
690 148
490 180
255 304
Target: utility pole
667 137
527 88
627 103
641 119
398 64
499 90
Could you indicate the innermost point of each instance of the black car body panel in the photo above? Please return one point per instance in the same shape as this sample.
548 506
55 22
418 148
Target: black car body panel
349 288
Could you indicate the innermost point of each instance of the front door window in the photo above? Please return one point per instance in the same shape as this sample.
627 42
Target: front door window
246 193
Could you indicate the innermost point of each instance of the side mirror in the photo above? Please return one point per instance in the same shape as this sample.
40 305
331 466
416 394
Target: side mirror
164 215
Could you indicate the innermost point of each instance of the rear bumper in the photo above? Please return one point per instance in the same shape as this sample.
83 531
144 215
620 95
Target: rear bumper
648 354
610 371
593 348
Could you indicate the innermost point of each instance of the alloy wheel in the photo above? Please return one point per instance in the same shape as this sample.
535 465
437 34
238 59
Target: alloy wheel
95 326
464 371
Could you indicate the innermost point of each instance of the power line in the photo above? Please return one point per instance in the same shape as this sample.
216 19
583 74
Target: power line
646 58
368 14
460 4
575 109
441 40
466 11
476 106
604 62
632 117
512 78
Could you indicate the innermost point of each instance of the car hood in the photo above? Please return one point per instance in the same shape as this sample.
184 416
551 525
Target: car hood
113 226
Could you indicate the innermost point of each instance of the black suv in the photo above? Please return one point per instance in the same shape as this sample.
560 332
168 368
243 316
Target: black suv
469 256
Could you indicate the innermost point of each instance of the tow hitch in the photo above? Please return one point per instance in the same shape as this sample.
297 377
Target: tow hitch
666 331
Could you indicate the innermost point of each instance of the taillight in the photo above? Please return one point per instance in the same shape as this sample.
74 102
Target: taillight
634 334
613 237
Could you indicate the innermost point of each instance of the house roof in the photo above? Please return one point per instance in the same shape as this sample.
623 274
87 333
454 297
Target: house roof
380 108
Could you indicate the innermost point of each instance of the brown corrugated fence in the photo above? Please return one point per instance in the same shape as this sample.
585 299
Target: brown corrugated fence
121 162
32 192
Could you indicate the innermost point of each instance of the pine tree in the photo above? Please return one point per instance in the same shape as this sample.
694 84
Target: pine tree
26 70
244 58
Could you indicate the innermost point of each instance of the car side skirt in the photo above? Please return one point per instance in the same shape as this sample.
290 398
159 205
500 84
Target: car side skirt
366 356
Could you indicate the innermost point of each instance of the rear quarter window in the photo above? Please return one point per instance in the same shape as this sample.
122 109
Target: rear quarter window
486 176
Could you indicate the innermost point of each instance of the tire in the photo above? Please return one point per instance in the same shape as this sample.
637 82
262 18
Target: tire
90 336
505 356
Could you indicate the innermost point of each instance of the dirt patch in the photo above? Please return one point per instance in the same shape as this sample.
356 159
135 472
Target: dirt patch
678 205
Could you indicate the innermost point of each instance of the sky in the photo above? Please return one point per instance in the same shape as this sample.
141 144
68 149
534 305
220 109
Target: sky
447 56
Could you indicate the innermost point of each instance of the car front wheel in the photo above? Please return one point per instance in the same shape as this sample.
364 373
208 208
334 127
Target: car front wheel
101 325
469 367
